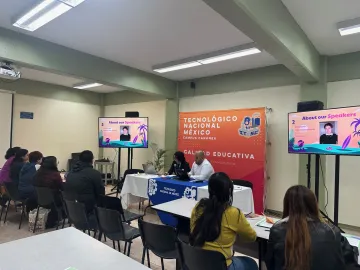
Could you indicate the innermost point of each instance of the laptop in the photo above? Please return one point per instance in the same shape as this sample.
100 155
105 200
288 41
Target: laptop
149 169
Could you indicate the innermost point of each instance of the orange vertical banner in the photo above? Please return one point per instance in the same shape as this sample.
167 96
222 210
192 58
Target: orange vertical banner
234 141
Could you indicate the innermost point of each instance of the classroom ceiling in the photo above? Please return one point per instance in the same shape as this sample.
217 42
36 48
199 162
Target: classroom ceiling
142 34
318 19
63 80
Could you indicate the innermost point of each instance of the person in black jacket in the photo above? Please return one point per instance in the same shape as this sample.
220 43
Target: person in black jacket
301 240
179 163
21 157
26 180
85 182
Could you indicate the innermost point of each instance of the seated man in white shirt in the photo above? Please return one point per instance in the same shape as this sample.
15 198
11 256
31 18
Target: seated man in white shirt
201 168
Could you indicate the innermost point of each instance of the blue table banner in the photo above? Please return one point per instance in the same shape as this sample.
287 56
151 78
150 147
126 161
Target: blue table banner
165 189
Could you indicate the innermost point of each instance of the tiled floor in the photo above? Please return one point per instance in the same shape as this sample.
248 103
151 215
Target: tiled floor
10 232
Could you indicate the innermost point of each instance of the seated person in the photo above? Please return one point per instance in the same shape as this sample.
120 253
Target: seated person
179 163
21 157
301 240
329 137
85 182
5 170
49 176
26 180
215 223
201 168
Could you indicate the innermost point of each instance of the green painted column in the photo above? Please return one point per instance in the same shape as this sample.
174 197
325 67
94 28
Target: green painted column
315 91
171 130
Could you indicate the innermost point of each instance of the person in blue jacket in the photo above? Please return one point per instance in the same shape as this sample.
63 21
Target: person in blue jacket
26 180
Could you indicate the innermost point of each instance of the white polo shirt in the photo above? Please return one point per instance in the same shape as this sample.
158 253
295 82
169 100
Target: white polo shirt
202 171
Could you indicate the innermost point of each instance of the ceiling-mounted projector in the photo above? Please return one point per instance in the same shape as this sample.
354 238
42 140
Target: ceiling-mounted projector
9 72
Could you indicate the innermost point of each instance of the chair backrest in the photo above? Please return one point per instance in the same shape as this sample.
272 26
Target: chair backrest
45 196
77 214
151 233
12 190
110 221
112 203
200 259
132 171
69 196
243 183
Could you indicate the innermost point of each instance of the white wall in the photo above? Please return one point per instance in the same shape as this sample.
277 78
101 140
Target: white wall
59 128
282 167
5 123
342 94
155 110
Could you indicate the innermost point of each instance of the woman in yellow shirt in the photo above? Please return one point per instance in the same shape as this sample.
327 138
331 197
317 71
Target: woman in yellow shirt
215 223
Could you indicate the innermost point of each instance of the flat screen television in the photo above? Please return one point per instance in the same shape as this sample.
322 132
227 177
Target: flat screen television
325 132
123 132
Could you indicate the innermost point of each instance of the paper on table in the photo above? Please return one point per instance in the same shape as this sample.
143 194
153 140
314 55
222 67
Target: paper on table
353 240
264 224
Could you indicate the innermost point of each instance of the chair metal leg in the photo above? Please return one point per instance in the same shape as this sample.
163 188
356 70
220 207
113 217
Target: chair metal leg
95 233
162 264
119 248
7 209
125 247
63 225
148 257
114 244
128 253
22 215
2 210
143 256
89 232
36 218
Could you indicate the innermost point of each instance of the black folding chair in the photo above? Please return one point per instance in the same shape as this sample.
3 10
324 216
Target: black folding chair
200 259
114 203
46 199
77 215
111 224
13 195
160 239
243 183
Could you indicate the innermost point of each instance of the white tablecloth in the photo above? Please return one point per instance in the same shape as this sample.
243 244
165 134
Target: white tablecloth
135 186
242 198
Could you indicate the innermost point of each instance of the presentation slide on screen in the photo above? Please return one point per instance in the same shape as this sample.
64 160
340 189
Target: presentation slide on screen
328 132
123 132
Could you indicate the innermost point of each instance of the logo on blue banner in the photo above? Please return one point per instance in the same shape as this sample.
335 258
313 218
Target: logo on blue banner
190 193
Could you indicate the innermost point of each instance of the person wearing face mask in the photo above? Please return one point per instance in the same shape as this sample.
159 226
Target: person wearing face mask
201 168
179 163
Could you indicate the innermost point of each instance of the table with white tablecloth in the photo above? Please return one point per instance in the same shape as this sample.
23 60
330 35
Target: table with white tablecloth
135 187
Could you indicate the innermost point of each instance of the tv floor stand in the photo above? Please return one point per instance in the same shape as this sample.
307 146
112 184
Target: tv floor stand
119 183
317 181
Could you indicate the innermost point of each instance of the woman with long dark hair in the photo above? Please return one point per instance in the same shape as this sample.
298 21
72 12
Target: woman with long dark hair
215 223
179 163
301 240
49 176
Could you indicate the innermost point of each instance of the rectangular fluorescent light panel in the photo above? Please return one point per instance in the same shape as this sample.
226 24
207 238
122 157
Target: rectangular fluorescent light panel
72 3
45 12
89 85
354 29
229 56
177 67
